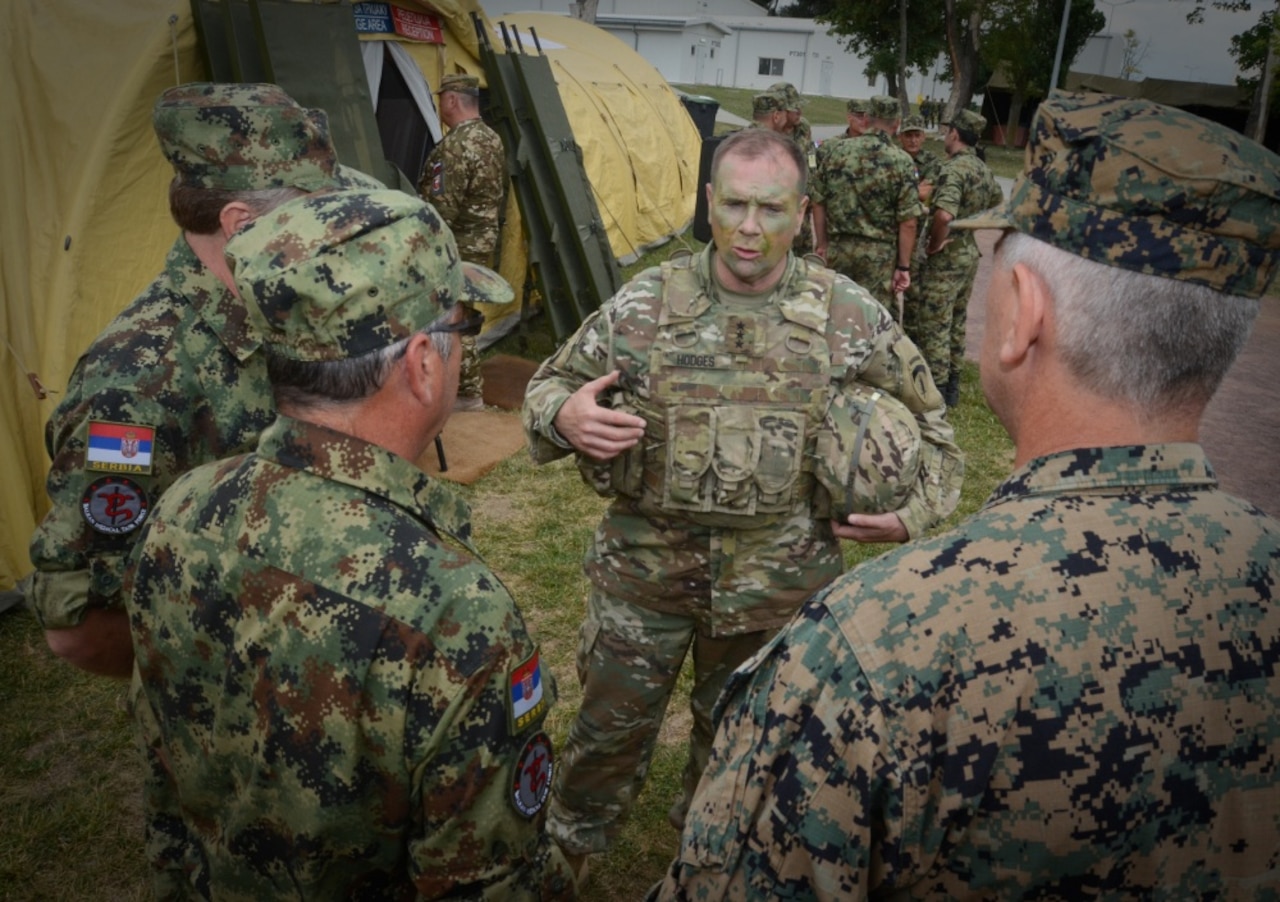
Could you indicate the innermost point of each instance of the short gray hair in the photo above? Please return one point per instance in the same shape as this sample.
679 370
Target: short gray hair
309 385
1158 344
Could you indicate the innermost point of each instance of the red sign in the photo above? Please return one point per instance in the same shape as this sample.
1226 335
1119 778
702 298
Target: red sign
417 26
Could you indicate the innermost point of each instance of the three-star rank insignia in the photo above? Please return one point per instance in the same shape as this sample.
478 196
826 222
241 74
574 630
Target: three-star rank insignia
114 505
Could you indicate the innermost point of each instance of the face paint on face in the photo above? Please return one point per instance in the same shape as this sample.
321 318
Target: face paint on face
755 212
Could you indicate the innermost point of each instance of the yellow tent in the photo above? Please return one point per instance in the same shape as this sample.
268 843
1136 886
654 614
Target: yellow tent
85 224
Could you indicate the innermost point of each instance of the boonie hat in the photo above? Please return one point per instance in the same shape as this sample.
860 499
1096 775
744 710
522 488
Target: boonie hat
460 84
883 107
969 121
243 137
1149 188
344 273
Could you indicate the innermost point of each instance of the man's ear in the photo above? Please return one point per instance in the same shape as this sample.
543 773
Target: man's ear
424 368
1026 323
234 217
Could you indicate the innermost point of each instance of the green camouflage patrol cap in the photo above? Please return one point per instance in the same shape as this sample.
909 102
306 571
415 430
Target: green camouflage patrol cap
867 454
345 273
460 84
787 91
911 124
883 107
1149 188
768 102
969 121
859 106
243 137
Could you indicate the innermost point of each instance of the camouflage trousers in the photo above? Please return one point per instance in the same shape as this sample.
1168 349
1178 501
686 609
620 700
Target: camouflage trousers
937 308
869 263
629 658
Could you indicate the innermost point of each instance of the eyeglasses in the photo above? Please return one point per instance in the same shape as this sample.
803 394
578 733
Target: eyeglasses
469 324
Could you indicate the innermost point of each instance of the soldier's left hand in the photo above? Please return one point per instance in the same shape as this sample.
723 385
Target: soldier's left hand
871 528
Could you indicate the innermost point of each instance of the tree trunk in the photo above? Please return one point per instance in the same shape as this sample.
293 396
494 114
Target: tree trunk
585 10
1015 115
962 47
904 103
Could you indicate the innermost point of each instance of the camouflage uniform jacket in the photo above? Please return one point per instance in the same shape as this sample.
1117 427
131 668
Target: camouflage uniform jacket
927 164
465 180
802 135
332 698
751 578
965 186
1075 693
868 186
177 365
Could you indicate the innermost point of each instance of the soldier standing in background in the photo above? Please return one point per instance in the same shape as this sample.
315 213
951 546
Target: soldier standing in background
936 312
702 399
769 111
865 206
798 128
176 379
338 699
465 178
911 139
1076 692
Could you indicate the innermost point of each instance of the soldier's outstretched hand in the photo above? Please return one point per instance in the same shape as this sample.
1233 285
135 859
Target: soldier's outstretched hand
871 528
596 430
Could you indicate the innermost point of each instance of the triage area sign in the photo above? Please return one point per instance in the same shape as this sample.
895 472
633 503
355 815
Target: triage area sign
383 18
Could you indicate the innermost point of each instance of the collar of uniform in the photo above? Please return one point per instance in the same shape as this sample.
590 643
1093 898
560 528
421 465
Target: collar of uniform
352 461
1102 469
212 301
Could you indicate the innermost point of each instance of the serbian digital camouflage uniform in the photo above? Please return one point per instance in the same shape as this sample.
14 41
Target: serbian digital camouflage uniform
338 698
867 185
465 178
1075 693
175 380
702 527
937 308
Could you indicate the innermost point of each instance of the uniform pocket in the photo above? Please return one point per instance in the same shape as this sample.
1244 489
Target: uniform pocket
690 445
781 449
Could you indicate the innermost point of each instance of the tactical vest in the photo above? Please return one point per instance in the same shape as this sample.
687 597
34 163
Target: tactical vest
734 397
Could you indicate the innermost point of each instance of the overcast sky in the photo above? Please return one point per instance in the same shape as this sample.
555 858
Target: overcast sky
1178 50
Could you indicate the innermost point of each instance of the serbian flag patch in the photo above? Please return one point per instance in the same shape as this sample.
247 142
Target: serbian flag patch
119 447
527 700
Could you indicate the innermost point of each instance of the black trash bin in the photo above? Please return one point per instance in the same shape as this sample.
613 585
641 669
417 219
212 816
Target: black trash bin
703 112
701 225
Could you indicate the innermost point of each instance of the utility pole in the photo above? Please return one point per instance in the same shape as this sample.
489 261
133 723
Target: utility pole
1264 89
1062 42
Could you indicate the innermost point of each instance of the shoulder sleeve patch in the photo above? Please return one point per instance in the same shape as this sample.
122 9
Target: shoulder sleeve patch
526 701
114 505
119 447
437 177
531 781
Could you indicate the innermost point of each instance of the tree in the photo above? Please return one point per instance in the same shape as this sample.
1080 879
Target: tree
1134 53
873 30
1255 51
1022 41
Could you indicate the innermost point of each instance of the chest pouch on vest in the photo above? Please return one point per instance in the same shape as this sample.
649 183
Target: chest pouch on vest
867 453
737 460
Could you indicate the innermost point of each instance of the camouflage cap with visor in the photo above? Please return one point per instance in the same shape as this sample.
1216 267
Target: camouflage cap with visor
244 137
885 107
911 124
859 106
1149 188
787 91
768 102
969 121
344 273
459 83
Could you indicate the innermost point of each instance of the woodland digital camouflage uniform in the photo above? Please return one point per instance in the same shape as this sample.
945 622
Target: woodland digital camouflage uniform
465 179
868 186
937 305
650 558
179 366
328 672
1076 692
927 163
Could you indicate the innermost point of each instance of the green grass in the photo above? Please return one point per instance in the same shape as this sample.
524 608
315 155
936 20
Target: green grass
70 776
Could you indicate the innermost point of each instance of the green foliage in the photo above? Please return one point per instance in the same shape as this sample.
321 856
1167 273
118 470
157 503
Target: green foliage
872 29
1021 40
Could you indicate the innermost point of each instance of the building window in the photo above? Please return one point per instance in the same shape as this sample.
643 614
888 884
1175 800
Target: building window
770 66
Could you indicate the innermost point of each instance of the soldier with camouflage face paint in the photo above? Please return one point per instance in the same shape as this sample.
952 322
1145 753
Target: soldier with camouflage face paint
338 699
745 410
1075 693
176 379
465 178
865 206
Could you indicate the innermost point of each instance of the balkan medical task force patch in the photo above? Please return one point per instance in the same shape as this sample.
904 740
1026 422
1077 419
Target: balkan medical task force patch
526 703
114 505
